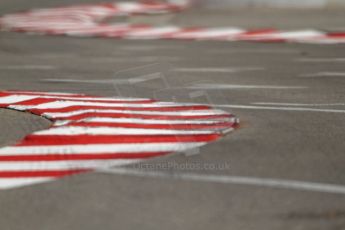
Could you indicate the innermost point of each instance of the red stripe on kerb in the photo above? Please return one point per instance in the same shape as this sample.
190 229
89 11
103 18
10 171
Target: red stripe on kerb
36 101
92 15
270 40
34 140
3 94
214 121
72 157
336 35
4 105
42 173
258 32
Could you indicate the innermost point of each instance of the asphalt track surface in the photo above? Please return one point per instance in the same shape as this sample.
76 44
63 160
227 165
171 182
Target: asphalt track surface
289 97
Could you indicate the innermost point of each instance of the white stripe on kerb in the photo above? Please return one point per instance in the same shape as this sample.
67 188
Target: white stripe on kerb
152 32
151 121
163 113
12 98
8 183
36 166
101 148
110 99
128 6
302 34
16 98
71 131
64 104
209 33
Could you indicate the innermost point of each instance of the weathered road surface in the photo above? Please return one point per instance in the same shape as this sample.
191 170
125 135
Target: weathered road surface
290 98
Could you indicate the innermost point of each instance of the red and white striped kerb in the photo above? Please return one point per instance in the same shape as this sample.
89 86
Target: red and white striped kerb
88 21
90 133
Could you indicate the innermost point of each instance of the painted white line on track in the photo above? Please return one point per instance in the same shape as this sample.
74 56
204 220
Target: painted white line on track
100 81
256 51
39 93
280 108
149 48
318 60
28 67
227 86
297 104
237 180
65 55
218 70
324 74
135 59
109 59
132 80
